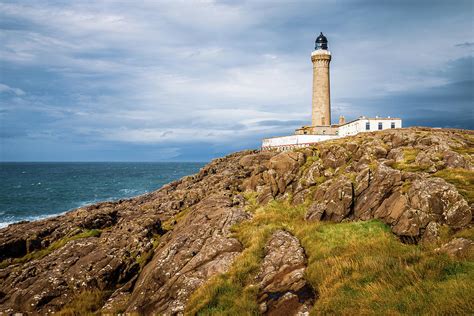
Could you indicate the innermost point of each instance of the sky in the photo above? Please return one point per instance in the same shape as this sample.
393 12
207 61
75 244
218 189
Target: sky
195 80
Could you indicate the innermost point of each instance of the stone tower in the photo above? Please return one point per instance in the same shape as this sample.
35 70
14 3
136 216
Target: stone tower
321 111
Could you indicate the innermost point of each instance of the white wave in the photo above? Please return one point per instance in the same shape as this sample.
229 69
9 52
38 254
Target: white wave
10 220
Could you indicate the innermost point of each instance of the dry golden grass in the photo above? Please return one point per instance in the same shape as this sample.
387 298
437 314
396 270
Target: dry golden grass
355 268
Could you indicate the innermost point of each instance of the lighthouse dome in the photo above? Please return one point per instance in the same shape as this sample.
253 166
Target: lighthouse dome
321 42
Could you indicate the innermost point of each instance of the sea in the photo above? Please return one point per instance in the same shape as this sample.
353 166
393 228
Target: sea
36 190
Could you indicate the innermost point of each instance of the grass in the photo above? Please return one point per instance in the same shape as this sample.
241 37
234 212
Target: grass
466 233
468 151
354 266
85 303
251 199
462 179
54 246
233 293
362 266
408 162
309 161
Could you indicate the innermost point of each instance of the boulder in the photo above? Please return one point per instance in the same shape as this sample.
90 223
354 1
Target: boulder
282 287
458 248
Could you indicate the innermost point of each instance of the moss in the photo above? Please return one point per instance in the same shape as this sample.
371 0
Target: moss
171 222
85 303
54 246
143 258
462 179
320 180
373 165
406 186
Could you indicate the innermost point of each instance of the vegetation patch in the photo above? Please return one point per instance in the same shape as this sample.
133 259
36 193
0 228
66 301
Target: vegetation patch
462 179
233 293
469 151
85 303
406 186
309 161
54 246
251 201
354 266
408 162
146 257
467 233
171 222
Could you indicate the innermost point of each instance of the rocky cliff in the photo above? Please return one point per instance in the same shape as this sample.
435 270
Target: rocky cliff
255 231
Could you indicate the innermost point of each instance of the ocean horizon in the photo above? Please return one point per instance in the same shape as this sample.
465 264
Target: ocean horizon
37 190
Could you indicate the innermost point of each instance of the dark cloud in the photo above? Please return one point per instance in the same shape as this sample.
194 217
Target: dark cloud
447 105
465 44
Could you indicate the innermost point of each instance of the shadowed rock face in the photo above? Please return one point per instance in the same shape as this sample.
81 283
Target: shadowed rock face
148 254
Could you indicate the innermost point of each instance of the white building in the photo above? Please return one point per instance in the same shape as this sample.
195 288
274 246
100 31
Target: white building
294 141
364 124
360 125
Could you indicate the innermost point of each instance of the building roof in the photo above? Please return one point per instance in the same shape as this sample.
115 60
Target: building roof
372 118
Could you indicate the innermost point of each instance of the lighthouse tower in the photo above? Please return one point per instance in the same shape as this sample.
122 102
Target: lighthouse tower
321 110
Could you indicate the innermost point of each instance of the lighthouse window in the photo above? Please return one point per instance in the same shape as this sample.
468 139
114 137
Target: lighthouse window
367 126
392 125
380 125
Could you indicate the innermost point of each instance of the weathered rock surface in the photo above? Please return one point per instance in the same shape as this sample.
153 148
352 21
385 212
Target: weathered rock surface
283 289
458 247
148 254
198 248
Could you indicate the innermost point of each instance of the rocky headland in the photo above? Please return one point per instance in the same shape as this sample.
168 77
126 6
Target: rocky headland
376 223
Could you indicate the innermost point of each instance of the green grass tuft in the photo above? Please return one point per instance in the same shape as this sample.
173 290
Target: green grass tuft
85 303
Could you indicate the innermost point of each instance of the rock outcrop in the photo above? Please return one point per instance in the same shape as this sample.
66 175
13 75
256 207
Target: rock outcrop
283 289
148 254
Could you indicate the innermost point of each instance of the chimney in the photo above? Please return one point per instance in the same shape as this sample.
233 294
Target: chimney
342 120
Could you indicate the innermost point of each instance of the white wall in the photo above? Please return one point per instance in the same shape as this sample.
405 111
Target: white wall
295 140
359 126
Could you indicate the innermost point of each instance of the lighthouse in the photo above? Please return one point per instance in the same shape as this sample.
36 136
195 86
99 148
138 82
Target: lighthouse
321 107
321 128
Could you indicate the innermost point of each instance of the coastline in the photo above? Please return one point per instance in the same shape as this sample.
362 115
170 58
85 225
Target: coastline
34 191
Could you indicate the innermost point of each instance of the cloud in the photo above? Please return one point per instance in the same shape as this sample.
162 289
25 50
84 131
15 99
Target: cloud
465 44
155 77
7 89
